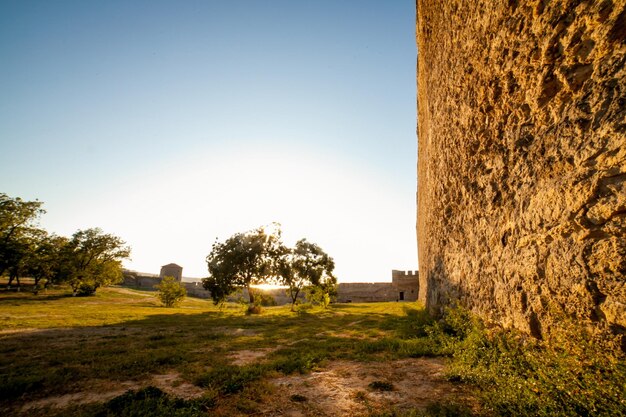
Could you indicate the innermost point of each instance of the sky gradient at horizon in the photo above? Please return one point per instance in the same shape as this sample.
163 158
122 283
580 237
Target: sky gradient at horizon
171 124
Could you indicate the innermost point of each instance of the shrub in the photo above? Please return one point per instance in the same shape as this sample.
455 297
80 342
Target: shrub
84 289
171 293
264 299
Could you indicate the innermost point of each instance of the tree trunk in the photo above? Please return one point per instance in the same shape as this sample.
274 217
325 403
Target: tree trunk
294 298
251 296
36 288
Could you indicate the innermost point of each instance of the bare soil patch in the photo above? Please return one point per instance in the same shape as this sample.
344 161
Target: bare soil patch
229 331
85 397
245 357
101 391
343 388
174 385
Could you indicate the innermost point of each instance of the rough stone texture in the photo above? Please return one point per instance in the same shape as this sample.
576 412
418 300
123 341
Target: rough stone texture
522 160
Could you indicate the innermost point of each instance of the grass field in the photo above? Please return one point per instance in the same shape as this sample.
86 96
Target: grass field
58 353
120 353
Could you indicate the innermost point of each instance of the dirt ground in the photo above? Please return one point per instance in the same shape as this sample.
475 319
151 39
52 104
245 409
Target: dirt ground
342 388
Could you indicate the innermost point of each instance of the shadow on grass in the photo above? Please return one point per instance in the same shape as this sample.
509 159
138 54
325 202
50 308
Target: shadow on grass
28 296
60 361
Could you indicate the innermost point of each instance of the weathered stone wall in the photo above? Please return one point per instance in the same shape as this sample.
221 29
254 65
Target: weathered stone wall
522 160
366 292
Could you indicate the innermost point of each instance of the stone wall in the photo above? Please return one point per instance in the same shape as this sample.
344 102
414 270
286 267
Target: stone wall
522 160
366 292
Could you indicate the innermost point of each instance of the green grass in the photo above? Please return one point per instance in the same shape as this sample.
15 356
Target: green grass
54 344
147 402
73 343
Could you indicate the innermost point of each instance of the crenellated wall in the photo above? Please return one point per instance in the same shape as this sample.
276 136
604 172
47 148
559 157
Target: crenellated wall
522 160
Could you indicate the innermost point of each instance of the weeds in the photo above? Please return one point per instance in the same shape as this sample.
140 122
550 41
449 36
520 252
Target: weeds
521 376
147 402
436 409
229 379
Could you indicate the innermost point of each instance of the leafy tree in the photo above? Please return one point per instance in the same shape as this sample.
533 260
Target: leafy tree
171 292
18 234
306 265
92 259
243 260
46 258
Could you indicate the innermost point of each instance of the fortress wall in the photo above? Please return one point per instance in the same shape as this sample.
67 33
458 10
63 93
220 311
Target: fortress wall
366 292
522 160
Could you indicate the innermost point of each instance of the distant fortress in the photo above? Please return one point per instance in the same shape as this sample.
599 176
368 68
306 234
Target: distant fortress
404 286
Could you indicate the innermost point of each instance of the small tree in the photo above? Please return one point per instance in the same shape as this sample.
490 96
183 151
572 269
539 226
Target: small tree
243 260
171 292
322 294
306 265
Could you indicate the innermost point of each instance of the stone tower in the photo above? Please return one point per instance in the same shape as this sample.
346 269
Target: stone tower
172 270
406 284
522 160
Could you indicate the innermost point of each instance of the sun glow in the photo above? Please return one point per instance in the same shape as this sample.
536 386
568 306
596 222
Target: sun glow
266 287
178 213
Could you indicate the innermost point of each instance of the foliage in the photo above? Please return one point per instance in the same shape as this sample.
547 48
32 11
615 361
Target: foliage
171 292
306 265
92 259
46 259
521 376
18 234
435 409
264 299
243 260
323 293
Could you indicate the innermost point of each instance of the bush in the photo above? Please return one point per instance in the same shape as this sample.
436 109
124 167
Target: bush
85 289
264 299
171 292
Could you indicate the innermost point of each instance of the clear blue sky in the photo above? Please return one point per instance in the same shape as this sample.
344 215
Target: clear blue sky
172 123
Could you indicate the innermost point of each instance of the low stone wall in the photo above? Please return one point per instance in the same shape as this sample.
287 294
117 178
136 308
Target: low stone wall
346 293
